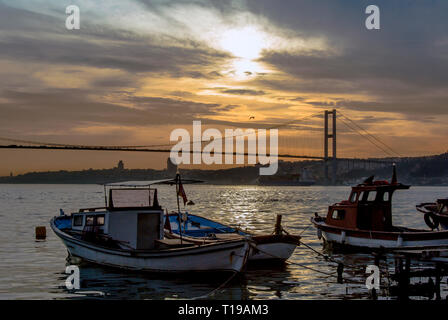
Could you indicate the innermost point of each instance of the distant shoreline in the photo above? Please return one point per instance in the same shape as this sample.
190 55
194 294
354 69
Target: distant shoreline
418 171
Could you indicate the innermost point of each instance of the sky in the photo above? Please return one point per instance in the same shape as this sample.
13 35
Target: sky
137 69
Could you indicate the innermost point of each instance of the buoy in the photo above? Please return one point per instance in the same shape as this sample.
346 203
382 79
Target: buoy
41 233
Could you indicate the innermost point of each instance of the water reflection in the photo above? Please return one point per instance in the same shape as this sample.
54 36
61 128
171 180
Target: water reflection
35 270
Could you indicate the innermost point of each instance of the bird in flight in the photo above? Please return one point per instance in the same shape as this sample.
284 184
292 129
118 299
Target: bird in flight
251 117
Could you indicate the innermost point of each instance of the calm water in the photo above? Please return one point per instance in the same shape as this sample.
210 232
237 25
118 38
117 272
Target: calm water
35 270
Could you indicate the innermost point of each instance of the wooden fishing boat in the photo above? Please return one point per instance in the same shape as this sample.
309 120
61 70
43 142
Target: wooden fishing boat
436 213
365 221
128 233
276 247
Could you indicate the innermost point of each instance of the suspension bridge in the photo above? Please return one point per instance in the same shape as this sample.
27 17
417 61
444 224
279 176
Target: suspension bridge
287 147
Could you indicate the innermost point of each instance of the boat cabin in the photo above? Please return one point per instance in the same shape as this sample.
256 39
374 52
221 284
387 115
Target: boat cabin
369 207
132 218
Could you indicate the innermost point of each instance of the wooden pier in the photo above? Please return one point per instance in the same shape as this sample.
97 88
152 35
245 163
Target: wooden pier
418 263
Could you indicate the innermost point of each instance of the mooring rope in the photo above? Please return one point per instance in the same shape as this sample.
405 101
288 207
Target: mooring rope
327 274
305 229
334 274
214 291
326 257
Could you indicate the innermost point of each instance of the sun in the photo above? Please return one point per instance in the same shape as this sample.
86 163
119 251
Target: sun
245 44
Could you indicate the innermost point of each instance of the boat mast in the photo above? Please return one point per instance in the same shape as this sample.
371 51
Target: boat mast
178 206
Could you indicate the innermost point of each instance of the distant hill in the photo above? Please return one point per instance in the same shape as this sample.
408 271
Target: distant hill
430 170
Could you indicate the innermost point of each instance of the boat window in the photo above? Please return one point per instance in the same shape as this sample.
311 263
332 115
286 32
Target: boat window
77 220
97 220
100 220
89 221
338 215
363 196
386 196
371 196
353 196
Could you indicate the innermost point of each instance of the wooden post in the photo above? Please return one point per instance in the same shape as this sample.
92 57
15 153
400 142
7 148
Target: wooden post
340 271
438 281
278 225
403 278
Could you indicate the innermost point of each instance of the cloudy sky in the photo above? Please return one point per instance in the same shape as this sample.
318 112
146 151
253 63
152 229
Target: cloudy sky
137 69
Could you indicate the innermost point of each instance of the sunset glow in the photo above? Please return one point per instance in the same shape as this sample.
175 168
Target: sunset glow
137 69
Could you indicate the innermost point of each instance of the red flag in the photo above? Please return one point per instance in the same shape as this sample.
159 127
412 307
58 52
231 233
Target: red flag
182 193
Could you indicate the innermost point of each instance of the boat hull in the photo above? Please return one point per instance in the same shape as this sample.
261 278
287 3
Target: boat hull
280 251
228 256
380 240
267 247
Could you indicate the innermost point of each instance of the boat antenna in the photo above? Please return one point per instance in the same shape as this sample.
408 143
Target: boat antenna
178 205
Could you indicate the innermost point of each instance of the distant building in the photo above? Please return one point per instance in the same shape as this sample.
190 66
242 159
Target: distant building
120 165
171 168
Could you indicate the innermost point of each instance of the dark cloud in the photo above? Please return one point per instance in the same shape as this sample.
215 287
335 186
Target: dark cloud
69 108
241 92
44 39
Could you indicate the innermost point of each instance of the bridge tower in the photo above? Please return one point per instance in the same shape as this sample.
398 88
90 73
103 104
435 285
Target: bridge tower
328 136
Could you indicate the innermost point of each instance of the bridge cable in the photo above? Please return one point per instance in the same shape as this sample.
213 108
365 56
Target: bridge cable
141 146
368 139
369 134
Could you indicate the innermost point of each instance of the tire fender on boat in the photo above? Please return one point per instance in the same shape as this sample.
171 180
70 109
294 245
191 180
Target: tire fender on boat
319 233
431 220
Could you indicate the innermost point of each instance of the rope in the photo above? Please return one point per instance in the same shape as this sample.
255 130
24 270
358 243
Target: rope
213 292
310 268
328 257
305 229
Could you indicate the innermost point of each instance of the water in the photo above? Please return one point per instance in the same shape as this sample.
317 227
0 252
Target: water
31 269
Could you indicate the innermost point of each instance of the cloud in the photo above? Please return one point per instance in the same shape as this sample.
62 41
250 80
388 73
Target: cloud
243 92
137 64
64 109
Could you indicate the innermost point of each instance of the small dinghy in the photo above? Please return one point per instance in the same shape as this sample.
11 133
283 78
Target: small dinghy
128 233
365 221
275 247
436 213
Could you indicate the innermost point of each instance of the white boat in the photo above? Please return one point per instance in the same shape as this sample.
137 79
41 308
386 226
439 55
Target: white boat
128 233
275 247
